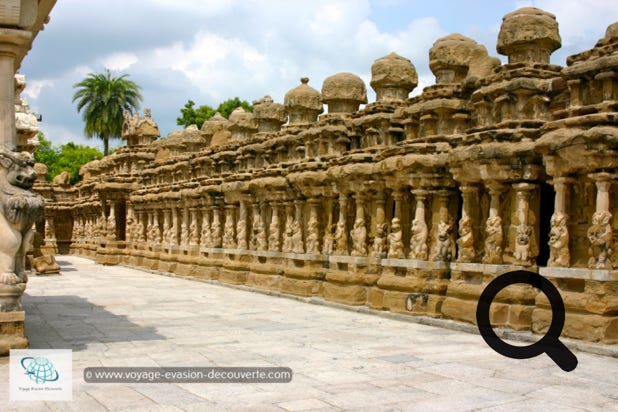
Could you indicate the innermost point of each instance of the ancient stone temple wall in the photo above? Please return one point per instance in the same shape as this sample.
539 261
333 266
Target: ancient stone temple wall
410 205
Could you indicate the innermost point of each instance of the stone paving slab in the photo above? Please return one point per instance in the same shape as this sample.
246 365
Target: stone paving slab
342 360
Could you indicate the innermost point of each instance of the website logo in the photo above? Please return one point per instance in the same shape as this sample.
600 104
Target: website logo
39 370
41 375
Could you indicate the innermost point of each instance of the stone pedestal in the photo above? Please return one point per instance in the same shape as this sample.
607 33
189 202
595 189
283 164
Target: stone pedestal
12 331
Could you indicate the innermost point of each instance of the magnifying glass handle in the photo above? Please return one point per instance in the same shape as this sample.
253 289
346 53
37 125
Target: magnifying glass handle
563 357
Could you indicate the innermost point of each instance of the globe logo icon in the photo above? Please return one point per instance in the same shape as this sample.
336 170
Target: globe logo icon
39 370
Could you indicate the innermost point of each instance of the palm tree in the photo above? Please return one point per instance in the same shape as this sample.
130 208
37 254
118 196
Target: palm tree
103 99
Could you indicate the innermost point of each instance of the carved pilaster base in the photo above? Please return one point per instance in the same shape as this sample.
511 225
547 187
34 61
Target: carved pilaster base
12 332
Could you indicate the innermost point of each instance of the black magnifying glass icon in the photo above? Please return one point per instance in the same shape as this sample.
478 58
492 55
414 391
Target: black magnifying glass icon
550 343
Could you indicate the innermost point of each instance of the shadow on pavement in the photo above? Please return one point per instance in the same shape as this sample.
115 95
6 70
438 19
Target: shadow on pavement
72 322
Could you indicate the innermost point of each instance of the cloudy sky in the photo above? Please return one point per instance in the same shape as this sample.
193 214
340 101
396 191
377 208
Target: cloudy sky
211 50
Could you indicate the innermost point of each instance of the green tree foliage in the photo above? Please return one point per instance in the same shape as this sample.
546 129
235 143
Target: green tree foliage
67 157
102 99
191 115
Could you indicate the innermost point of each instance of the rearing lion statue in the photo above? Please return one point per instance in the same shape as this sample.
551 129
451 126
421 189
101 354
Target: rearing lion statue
20 208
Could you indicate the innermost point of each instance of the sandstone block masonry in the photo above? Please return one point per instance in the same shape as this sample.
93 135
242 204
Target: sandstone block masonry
409 205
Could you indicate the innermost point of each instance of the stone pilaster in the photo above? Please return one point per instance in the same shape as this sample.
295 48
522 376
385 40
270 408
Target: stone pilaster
559 250
494 234
467 224
274 230
359 231
418 238
524 253
600 233
443 245
341 232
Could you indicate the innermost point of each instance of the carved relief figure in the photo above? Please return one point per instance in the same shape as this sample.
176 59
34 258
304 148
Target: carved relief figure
313 243
20 208
600 237
379 241
522 244
466 240
241 233
493 241
395 240
258 235
131 232
359 238
184 234
215 229
341 243
274 241
559 241
111 225
329 240
444 242
289 233
297 238
418 241
194 234
229 240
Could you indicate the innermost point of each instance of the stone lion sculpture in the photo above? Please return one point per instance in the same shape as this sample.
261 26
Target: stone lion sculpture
20 208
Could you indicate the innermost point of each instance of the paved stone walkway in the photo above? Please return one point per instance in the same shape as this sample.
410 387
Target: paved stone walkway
342 360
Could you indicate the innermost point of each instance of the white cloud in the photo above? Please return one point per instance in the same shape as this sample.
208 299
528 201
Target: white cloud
34 88
119 61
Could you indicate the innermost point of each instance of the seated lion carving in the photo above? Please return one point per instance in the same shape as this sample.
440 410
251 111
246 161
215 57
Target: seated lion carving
20 208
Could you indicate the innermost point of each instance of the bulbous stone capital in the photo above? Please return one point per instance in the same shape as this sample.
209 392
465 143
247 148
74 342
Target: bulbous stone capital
528 35
343 93
303 103
393 77
269 115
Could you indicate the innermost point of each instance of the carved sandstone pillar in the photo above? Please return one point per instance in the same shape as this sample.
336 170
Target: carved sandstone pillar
229 238
241 227
600 232
194 233
289 230
111 222
559 253
395 237
359 231
216 228
206 239
443 246
466 240
379 240
298 245
274 230
524 253
494 234
341 233
313 227
258 232
418 238
184 227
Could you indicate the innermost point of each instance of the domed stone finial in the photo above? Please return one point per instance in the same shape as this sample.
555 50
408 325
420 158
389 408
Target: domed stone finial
528 35
215 130
343 93
303 103
393 78
454 58
269 115
242 124
612 31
